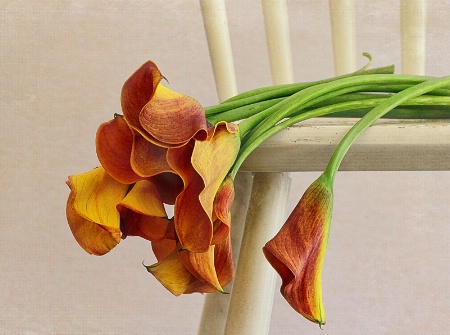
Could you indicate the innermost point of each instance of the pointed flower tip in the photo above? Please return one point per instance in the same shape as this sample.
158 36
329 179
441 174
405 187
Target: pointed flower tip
297 252
146 266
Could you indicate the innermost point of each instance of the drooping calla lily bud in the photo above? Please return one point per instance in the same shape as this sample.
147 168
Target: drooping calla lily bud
297 252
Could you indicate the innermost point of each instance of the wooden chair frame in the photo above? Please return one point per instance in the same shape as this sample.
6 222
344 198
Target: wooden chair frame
263 185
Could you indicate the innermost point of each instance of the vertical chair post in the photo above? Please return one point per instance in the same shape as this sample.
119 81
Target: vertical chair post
218 37
413 18
253 289
342 16
215 306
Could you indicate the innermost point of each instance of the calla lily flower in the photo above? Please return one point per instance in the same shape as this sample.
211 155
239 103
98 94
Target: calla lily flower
91 210
161 151
297 252
160 115
184 272
203 166
101 211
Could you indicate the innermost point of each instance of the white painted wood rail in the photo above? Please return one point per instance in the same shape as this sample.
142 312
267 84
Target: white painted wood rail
388 145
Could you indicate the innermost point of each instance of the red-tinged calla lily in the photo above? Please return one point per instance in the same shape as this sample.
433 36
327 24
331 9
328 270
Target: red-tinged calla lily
297 252
126 155
114 142
173 118
203 166
160 115
91 210
185 272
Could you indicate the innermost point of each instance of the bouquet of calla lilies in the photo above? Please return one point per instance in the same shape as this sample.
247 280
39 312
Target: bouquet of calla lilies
166 149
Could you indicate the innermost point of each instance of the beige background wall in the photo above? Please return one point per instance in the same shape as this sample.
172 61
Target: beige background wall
62 64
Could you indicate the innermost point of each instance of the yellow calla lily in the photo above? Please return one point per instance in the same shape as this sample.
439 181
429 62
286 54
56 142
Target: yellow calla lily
185 272
91 210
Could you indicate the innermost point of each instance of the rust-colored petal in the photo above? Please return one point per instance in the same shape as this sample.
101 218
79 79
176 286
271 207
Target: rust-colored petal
91 210
172 118
297 252
192 224
201 265
212 160
224 267
222 207
223 261
114 141
165 247
143 213
169 186
148 159
137 91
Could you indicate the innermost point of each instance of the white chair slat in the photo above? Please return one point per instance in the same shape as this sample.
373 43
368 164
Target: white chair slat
342 17
413 21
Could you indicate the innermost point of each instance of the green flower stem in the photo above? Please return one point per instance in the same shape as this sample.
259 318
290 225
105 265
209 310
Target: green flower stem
425 110
262 122
294 87
432 112
281 91
377 112
243 112
252 121
342 107
292 105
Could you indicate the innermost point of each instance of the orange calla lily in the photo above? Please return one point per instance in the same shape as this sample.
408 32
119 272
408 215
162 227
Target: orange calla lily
202 272
297 252
203 166
126 155
185 272
160 115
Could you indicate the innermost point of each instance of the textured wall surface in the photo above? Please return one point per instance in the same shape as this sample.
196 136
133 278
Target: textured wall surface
62 65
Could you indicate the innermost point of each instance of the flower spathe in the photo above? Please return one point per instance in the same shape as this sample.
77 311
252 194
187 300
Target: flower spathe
91 210
184 272
297 252
160 115
203 166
